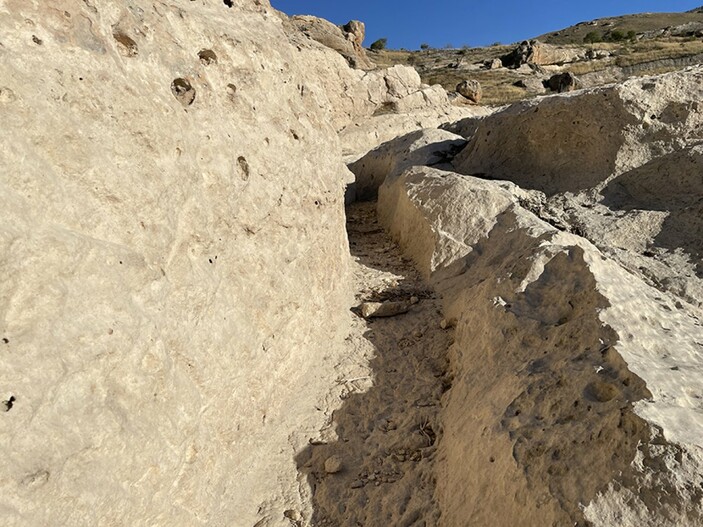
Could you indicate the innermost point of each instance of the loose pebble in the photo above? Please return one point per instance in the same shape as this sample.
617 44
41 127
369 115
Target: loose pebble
333 464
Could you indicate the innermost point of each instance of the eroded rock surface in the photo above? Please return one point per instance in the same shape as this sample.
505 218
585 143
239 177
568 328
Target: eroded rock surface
540 54
626 177
568 387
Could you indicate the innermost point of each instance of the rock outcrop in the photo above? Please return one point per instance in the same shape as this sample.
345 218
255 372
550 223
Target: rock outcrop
583 379
605 140
355 31
346 40
371 107
540 54
575 143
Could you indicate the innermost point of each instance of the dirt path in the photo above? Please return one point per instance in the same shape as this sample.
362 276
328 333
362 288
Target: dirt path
388 425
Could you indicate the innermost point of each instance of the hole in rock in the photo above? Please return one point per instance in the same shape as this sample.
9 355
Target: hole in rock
601 392
183 91
37 40
229 3
9 403
231 91
207 56
126 45
244 166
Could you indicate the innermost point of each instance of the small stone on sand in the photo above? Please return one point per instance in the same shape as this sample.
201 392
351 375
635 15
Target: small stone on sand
333 465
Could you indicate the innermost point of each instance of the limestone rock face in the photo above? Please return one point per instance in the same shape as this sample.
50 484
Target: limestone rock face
673 184
175 299
396 96
578 142
172 226
519 56
436 237
570 344
368 108
361 137
532 85
650 219
613 163
493 64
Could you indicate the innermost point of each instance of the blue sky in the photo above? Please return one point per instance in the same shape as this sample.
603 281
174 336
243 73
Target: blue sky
409 23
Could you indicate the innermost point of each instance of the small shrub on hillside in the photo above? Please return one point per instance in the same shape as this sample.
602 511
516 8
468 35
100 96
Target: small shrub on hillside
424 46
616 36
379 45
592 37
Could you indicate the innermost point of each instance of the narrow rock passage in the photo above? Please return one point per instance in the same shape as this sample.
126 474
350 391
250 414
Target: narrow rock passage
379 470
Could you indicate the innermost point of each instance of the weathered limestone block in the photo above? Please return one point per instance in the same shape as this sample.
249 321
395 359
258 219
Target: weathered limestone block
574 142
538 53
562 82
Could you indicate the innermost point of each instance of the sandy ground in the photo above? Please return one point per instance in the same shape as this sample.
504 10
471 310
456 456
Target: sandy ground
387 430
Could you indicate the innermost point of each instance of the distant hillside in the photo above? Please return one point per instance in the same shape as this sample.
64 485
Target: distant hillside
598 52
649 24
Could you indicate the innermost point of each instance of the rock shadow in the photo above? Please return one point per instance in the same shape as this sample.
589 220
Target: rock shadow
673 184
379 471
420 147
